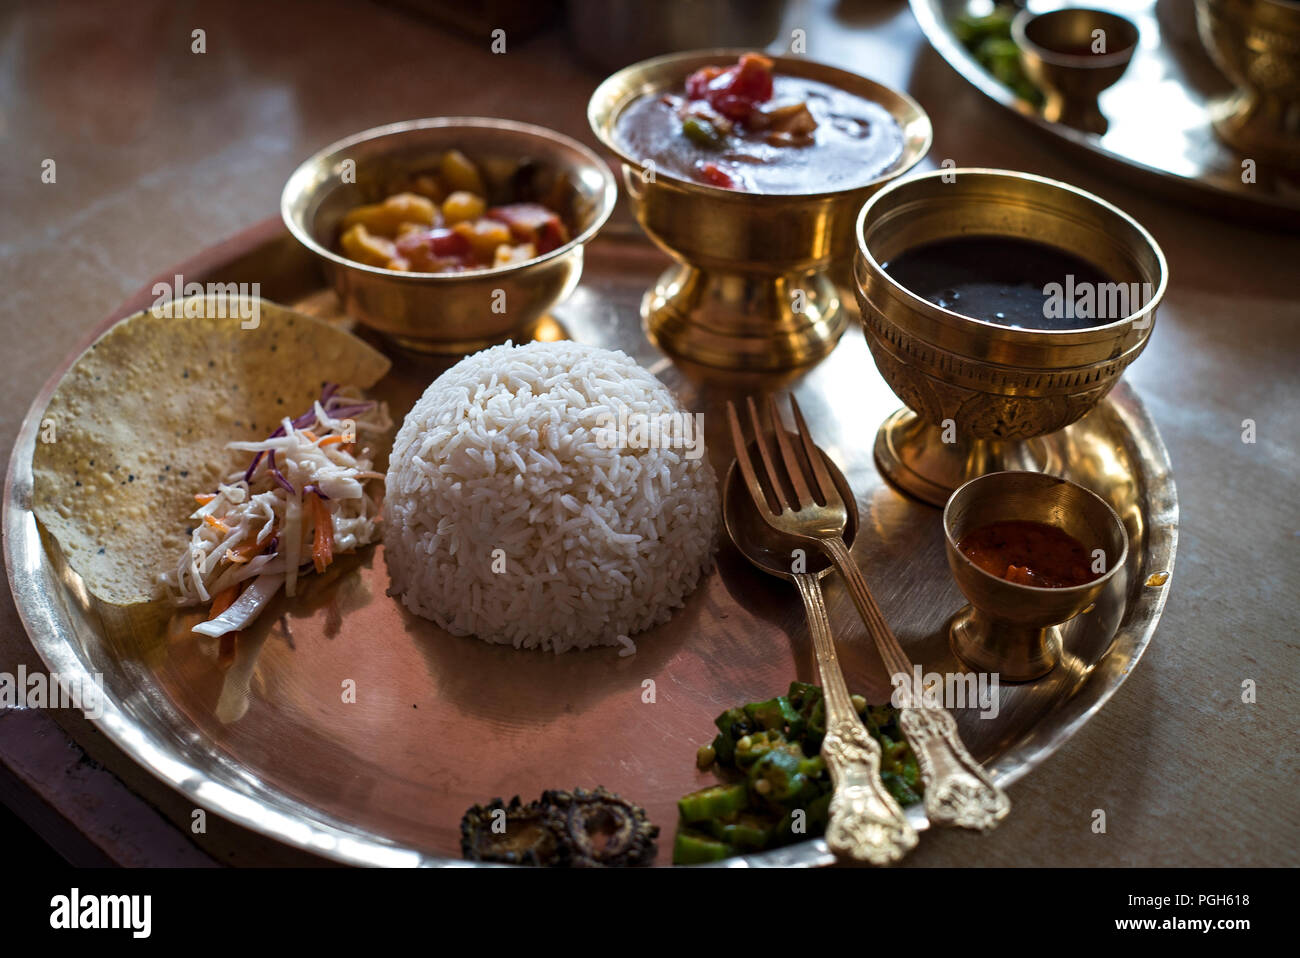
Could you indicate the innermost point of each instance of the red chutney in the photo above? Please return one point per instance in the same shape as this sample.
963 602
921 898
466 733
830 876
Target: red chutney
1029 553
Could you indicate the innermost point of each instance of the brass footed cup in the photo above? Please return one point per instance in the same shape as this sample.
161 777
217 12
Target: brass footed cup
1256 43
1057 53
1013 629
980 395
753 286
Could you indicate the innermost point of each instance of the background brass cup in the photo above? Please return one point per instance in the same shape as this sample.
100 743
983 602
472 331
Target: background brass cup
1008 628
448 313
728 301
1256 43
1056 51
978 394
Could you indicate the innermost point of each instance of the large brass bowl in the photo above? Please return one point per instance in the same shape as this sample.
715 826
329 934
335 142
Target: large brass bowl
977 393
1256 43
449 313
753 286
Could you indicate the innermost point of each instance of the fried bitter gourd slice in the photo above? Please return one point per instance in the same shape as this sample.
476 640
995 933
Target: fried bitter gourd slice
514 834
601 829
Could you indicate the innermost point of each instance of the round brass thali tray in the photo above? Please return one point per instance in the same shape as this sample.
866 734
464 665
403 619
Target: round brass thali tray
440 723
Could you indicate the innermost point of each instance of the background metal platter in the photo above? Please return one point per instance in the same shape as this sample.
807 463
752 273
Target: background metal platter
440 723
1159 110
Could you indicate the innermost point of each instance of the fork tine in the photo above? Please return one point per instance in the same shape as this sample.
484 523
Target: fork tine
792 465
756 491
825 484
765 454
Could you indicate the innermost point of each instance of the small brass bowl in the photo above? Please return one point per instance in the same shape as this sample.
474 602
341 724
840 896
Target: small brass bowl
729 300
979 394
1013 629
1256 43
1056 51
449 313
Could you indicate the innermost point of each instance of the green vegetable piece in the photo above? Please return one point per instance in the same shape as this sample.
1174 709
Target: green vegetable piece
777 714
705 756
754 746
879 719
776 779
813 768
973 30
899 789
1002 58
811 705
819 811
811 817
892 753
802 695
703 133
733 725
747 831
815 728
716 801
909 771
724 749
694 848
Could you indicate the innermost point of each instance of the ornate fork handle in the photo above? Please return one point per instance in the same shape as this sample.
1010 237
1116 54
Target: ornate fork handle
957 789
866 824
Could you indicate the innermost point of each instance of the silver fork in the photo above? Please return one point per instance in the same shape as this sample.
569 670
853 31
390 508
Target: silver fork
957 789
865 823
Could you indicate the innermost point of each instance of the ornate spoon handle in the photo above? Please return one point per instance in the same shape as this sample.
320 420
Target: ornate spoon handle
957 789
866 824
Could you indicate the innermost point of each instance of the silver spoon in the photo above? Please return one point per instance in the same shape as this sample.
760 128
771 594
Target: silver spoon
866 823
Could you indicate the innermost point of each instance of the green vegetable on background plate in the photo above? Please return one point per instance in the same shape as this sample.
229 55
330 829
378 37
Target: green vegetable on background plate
988 38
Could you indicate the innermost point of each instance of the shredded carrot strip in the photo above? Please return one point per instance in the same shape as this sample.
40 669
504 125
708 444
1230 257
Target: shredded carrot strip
224 600
226 651
220 603
247 550
322 550
216 523
311 436
203 498
330 440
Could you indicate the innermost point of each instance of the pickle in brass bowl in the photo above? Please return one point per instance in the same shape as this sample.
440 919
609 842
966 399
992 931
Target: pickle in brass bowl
1011 625
462 311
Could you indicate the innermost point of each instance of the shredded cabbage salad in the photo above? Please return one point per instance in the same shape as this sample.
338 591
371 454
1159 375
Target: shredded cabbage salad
302 500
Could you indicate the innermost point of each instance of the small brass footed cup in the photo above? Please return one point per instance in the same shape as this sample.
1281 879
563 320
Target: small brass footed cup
1009 628
753 286
1256 43
980 395
1072 55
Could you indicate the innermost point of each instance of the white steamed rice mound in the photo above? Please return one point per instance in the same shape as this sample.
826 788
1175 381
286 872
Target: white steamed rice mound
508 450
